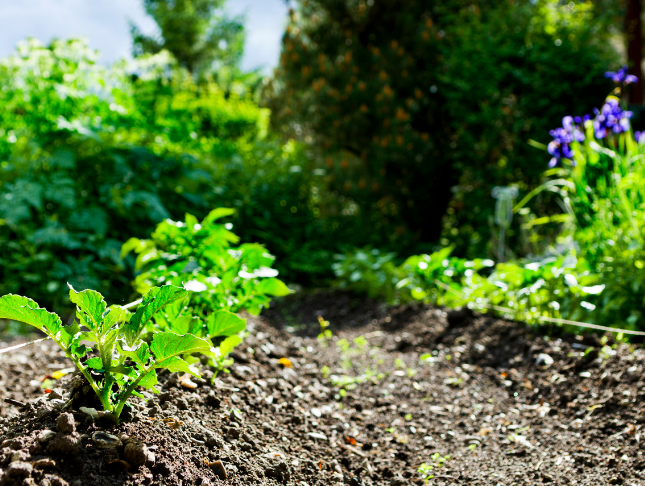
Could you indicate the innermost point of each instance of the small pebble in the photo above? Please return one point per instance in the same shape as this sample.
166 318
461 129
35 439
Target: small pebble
89 413
103 440
188 384
45 436
235 415
218 469
136 453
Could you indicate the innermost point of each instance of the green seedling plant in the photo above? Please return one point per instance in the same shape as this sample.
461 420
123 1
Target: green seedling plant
426 470
119 361
325 333
203 257
222 329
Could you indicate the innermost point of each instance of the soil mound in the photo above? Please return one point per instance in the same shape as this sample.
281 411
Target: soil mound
490 403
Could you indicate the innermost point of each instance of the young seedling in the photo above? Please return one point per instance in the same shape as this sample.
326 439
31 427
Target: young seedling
116 335
221 329
325 333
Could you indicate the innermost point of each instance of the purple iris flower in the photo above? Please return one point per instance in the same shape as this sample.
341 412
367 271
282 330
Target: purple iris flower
640 137
621 76
611 118
560 146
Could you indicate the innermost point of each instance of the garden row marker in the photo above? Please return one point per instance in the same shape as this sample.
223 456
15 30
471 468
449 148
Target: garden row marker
6 350
542 318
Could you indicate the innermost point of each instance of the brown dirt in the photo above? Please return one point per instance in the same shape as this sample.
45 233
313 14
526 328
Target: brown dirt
486 398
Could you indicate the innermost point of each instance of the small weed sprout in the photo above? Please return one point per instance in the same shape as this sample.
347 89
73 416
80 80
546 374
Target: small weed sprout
425 470
325 333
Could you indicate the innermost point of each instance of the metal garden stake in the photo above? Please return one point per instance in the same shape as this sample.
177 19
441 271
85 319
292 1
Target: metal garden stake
505 197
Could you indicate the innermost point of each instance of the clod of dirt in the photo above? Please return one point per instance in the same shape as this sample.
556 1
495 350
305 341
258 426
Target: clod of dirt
44 463
279 471
213 400
65 444
103 440
65 423
136 453
106 420
16 471
456 317
53 480
20 456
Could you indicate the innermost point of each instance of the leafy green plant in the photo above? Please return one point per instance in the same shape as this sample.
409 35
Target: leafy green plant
202 257
555 286
325 334
367 271
222 329
426 469
119 360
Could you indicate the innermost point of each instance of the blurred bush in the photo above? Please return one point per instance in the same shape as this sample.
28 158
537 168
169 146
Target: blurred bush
400 105
90 157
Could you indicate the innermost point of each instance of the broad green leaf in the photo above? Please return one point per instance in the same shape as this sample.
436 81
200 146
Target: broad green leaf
176 364
130 245
168 344
18 308
273 286
149 381
95 363
139 355
229 344
90 303
224 323
191 221
115 315
218 213
186 325
152 302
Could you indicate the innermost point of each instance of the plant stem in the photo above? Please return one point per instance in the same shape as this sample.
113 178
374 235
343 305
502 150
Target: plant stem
126 394
106 404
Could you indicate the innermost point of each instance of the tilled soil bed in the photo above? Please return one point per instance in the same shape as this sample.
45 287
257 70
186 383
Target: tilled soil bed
492 404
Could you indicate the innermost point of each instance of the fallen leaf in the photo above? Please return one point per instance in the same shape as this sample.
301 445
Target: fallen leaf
286 362
173 423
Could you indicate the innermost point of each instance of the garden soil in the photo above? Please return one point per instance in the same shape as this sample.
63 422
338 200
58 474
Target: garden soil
491 403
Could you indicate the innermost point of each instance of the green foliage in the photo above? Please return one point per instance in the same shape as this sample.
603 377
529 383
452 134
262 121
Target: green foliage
202 257
368 271
558 287
196 32
91 157
603 193
510 74
115 336
399 105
